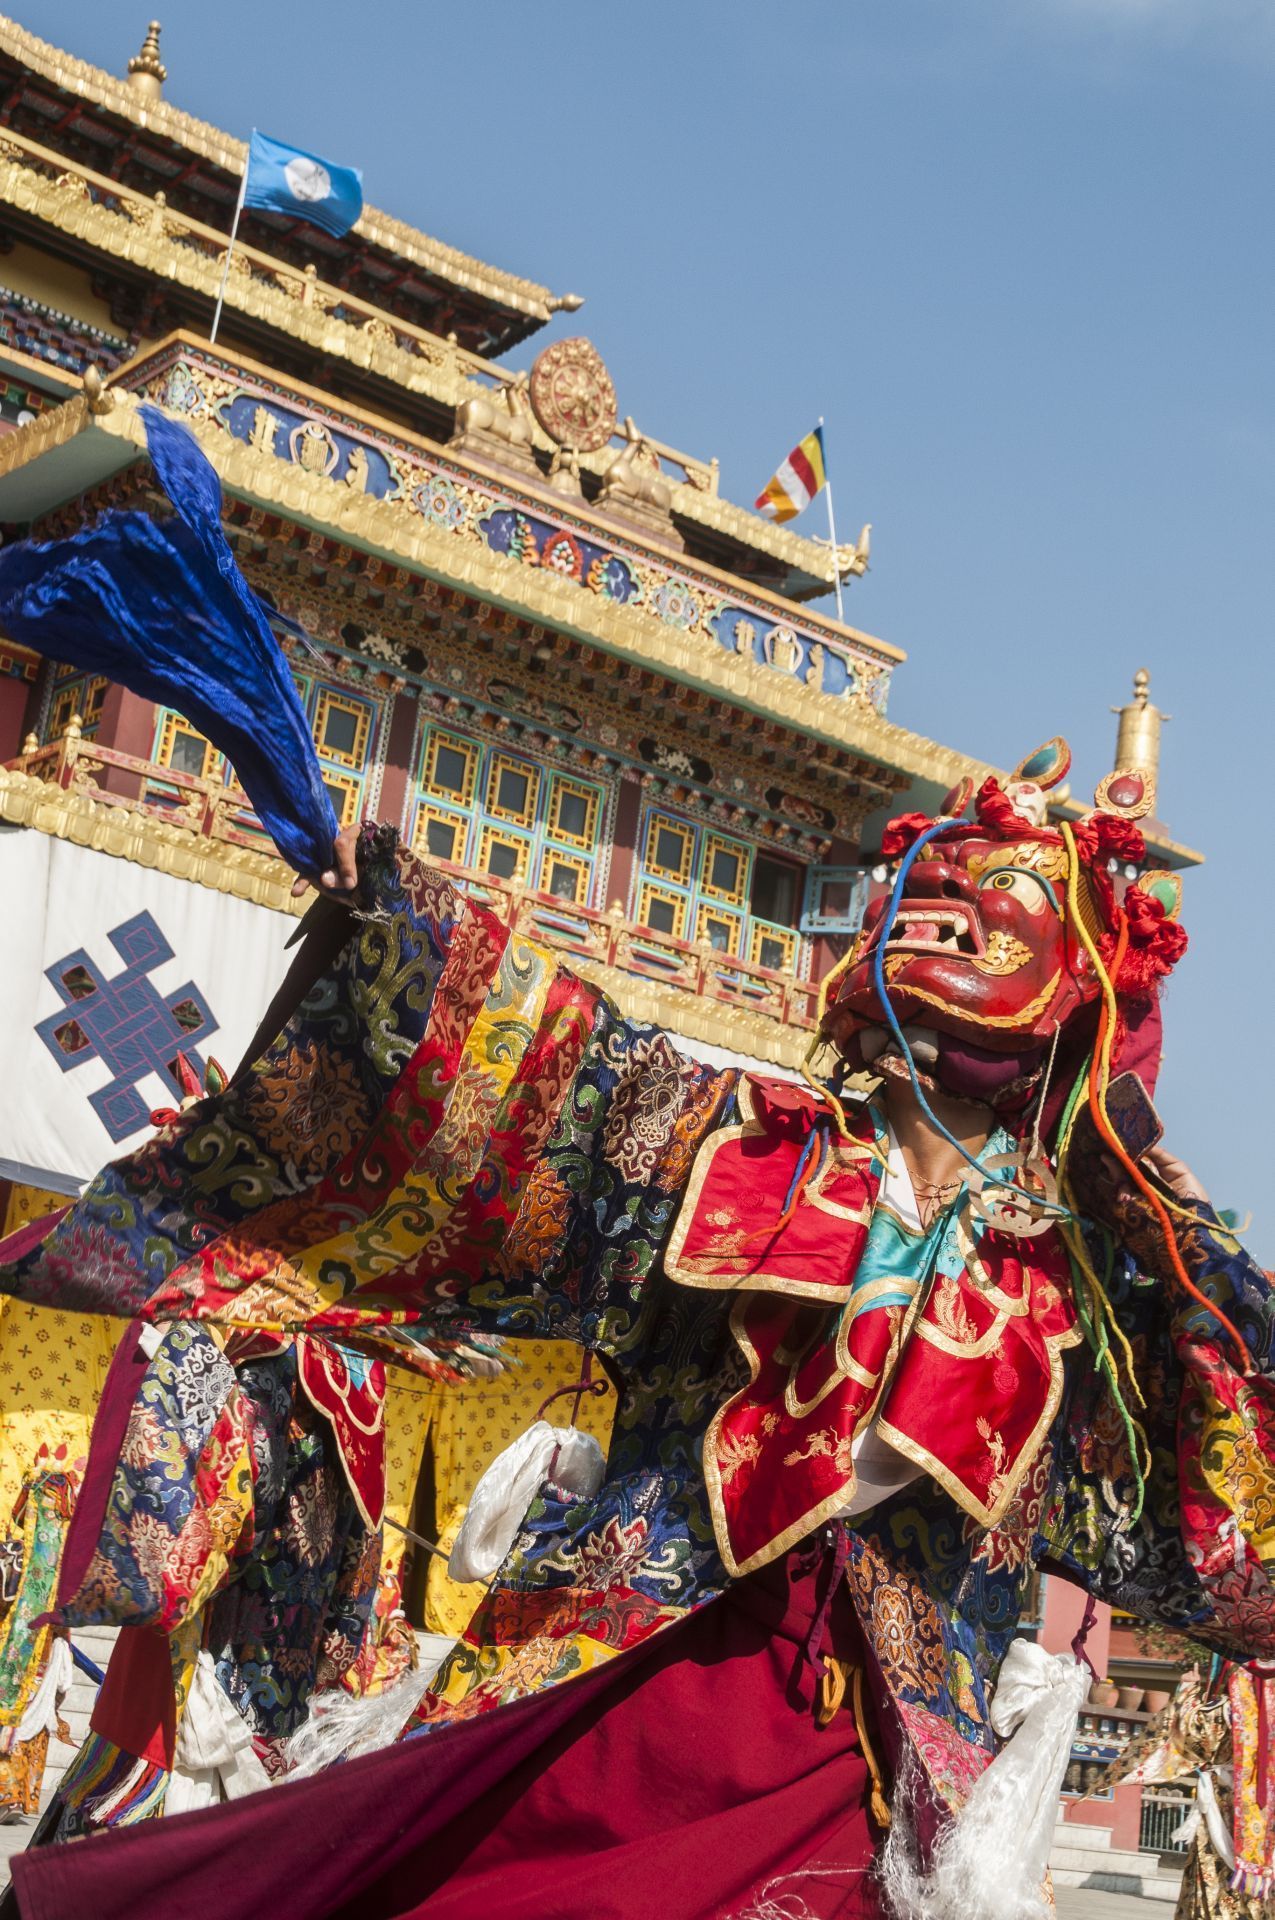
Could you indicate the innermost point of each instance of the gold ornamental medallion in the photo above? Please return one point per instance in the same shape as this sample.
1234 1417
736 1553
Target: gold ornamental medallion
572 395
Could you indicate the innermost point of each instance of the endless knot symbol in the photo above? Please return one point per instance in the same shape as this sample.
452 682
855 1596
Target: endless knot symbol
126 1022
572 395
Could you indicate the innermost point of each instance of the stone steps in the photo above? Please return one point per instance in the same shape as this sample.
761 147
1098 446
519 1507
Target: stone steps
1083 1856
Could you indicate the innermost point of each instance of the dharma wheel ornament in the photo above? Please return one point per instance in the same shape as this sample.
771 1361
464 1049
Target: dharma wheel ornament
573 396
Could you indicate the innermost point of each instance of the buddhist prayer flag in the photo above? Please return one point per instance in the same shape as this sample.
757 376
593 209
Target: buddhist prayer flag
798 480
286 180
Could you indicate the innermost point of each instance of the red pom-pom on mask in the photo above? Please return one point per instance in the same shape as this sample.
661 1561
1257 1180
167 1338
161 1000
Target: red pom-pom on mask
902 832
1105 836
1156 943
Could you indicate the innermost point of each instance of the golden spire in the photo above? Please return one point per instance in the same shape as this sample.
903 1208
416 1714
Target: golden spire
146 71
1138 736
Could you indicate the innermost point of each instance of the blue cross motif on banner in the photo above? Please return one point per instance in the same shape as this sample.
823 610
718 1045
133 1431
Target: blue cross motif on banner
126 1022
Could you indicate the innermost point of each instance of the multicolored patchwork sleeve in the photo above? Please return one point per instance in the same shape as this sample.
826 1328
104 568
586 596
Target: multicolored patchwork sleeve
452 1133
168 1502
1200 1555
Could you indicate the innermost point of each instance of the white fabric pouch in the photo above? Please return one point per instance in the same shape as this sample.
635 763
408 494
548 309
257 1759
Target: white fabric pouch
571 1459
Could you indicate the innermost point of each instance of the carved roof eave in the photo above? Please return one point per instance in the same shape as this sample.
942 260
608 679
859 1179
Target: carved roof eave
396 237
709 509
808 560
76 448
446 374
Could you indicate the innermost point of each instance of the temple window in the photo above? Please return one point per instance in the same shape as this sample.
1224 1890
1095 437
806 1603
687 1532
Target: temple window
341 728
836 898
573 812
450 766
670 847
720 931
345 794
341 725
512 788
525 824
184 749
75 693
443 836
723 869
565 876
662 911
699 884
503 855
774 890
773 947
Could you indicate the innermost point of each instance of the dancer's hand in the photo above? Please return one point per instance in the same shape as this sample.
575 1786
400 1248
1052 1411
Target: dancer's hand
340 880
1176 1176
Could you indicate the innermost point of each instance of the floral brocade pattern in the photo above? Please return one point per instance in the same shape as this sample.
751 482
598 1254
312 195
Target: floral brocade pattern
295 1618
652 1133
181 1495
493 1151
306 1118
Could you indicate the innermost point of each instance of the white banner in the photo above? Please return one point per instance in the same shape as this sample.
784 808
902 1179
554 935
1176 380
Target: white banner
108 971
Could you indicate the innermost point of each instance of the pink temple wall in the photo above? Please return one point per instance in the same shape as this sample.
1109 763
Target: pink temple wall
1064 1610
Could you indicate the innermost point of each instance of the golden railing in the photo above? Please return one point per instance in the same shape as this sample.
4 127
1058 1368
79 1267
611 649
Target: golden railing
611 939
215 810
210 808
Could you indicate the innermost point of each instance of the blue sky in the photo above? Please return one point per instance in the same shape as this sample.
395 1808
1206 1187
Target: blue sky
1017 252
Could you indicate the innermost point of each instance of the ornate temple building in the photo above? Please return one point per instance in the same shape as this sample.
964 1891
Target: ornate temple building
540 642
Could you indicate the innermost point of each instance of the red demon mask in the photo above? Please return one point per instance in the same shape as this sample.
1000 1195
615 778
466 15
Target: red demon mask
983 950
980 946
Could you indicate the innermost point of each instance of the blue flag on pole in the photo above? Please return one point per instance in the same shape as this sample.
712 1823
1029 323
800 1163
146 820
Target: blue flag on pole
285 180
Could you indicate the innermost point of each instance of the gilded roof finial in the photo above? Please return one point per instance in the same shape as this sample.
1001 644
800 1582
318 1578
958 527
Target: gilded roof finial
146 71
1138 736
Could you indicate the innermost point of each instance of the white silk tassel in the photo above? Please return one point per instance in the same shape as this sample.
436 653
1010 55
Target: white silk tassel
990 1862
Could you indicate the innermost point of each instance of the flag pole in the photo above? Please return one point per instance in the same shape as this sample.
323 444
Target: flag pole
832 534
225 269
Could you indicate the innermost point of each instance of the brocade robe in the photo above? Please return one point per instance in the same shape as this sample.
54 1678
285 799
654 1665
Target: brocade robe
453 1134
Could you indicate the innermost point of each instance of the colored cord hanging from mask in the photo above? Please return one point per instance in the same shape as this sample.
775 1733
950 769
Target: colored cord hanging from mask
1100 1079
863 1149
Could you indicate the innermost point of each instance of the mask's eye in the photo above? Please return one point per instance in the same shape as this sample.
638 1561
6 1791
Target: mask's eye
1031 890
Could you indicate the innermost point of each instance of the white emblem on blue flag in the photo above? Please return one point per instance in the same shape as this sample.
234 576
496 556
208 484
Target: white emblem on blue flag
283 179
308 179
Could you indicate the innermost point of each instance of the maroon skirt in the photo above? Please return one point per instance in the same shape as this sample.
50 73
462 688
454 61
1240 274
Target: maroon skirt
689 1780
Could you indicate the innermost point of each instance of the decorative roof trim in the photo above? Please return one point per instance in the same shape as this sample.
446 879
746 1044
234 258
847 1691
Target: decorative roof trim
237 367
107 91
538 593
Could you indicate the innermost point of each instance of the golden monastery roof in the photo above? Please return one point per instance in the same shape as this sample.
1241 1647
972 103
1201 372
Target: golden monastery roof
266 297
114 95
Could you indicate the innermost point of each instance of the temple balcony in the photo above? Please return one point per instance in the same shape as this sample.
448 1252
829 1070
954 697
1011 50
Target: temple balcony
203 830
